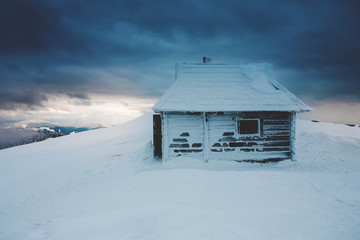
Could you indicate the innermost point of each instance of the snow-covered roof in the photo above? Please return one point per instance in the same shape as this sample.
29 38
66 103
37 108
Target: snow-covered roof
227 87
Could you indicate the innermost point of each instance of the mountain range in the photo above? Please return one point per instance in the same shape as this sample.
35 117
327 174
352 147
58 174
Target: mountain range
25 132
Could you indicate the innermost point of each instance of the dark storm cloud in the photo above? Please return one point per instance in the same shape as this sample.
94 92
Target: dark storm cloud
79 96
32 26
129 47
21 99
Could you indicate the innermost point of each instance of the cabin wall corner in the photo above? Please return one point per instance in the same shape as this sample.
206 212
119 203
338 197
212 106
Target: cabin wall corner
293 135
165 139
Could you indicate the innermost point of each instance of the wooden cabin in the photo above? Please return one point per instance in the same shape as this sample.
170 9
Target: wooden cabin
226 112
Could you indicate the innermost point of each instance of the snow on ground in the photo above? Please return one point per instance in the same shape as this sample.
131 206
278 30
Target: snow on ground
104 184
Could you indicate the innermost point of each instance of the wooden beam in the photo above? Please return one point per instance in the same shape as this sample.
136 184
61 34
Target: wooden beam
165 142
206 138
292 135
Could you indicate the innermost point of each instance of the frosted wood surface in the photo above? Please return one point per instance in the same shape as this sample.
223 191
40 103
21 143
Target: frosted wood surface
225 143
185 135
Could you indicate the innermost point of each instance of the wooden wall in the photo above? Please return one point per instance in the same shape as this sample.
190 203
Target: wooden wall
273 143
185 135
189 134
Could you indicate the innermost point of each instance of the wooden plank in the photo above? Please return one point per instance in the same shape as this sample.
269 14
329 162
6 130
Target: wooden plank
187 150
276 127
258 141
192 134
206 138
165 136
274 133
222 126
276 143
275 122
237 138
183 118
254 147
185 125
292 135
274 136
273 149
242 144
265 115
185 135
185 113
178 132
179 145
215 132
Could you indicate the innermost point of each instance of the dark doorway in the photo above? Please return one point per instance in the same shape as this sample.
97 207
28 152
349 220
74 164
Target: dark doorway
157 138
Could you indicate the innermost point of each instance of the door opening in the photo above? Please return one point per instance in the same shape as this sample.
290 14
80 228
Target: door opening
157 135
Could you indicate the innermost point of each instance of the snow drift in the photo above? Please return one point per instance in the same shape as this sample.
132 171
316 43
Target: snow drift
104 184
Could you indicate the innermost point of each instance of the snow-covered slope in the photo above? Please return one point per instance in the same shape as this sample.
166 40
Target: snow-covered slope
104 184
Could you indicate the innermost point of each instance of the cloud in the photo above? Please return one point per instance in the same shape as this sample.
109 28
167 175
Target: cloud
129 47
82 96
26 100
33 26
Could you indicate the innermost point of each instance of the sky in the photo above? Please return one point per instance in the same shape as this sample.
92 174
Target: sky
90 62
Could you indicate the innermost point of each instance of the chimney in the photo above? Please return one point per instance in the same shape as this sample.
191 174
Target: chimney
207 59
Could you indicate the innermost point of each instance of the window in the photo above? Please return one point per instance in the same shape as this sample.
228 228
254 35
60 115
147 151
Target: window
248 126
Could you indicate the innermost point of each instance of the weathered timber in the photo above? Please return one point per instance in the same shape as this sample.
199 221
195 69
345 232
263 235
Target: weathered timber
277 144
185 134
267 160
273 138
180 140
276 133
276 127
197 145
165 139
272 149
185 113
242 144
206 137
179 145
292 135
216 150
216 145
187 150
228 134
255 138
247 149
267 114
227 139
229 149
190 133
275 122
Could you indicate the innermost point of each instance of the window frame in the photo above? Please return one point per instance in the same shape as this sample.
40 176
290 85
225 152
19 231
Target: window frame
247 135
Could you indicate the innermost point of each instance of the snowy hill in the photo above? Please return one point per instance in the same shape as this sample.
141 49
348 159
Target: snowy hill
104 184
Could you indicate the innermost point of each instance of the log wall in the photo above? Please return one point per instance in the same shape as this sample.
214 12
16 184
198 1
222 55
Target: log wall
185 134
273 142
214 136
